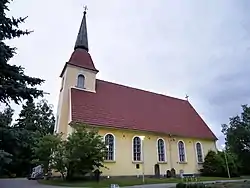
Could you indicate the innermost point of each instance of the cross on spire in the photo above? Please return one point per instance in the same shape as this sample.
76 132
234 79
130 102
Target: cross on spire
82 37
85 9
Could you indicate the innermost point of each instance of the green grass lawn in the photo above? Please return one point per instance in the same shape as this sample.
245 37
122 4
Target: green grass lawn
121 182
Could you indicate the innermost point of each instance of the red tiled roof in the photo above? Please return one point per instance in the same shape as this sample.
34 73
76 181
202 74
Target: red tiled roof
120 106
80 58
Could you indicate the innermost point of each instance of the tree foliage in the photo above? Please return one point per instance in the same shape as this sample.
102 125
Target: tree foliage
14 83
215 164
46 148
237 136
82 152
37 117
5 159
35 121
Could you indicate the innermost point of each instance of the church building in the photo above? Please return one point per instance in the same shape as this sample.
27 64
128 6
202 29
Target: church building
146 133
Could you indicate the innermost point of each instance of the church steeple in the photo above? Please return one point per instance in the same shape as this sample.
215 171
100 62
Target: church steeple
82 37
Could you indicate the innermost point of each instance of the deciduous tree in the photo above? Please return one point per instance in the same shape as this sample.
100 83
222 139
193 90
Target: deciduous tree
46 148
237 135
215 164
85 150
81 153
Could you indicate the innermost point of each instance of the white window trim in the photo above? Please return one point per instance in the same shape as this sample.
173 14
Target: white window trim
165 150
114 145
133 149
185 152
80 74
197 153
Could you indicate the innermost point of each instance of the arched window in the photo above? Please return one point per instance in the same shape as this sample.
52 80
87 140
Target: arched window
161 150
181 149
80 81
199 152
110 143
136 149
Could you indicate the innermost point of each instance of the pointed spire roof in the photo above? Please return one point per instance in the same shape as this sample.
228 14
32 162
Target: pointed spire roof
81 57
82 37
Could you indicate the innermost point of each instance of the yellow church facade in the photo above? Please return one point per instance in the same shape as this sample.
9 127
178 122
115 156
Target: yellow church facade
146 133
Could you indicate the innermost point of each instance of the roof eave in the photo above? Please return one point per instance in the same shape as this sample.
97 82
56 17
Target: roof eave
61 75
149 131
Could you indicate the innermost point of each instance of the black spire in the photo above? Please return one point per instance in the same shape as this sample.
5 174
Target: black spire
82 37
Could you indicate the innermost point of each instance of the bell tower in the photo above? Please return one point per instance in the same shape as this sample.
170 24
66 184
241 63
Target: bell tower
79 72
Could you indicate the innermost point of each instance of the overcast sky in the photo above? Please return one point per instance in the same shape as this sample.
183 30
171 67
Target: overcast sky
174 47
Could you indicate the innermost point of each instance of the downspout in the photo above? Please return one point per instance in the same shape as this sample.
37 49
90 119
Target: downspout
170 151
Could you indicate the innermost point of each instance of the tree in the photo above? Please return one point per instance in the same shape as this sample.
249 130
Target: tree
6 117
35 121
46 118
14 83
5 122
37 117
82 152
5 159
212 165
215 164
237 137
46 148
85 150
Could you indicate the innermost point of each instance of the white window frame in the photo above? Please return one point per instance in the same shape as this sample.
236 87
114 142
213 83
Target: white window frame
141 157
165 151
80 74
114 149
202 153
185 153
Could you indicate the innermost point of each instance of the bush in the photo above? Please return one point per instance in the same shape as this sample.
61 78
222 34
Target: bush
215 165
190 185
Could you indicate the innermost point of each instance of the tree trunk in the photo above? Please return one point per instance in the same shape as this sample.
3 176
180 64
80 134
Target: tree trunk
63 177
69 174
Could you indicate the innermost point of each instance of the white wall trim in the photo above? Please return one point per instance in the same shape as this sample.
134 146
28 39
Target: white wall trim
142 157
197 153
114 143
185 151
165 150
70 107
83 89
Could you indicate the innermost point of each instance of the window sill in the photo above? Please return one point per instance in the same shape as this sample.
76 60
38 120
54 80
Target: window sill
83 89
162 162
137 162
182 162
109 161
200 163
80 88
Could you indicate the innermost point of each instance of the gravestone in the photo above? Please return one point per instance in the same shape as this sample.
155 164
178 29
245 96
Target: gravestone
97 175
168 174
173 173
181 174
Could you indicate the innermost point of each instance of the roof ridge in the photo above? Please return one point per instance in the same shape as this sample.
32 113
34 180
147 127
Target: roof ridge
143 90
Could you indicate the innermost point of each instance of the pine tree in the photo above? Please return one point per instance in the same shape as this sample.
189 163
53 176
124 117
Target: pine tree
15 85
37 117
